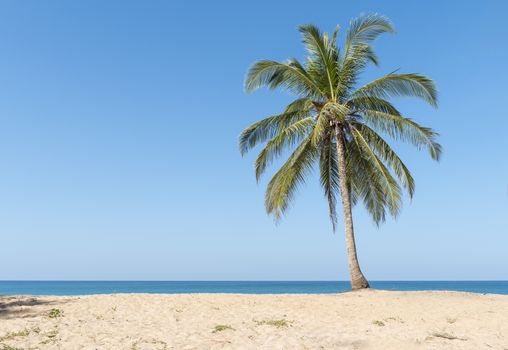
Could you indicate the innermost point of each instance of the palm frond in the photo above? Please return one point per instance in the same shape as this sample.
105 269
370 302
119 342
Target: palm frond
357 58
300 105
365 182
329 176
367 28
404 129
413 85
267 128
282 187
358 51
391 188
387 155
371 103
272 74
287 138
322 52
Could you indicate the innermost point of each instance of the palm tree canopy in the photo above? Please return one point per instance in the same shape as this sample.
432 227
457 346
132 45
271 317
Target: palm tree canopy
329 99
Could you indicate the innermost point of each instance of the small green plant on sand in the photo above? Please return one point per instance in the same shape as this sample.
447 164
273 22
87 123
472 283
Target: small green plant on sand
275 323
8 347
222 327
54 313
9 336
378 323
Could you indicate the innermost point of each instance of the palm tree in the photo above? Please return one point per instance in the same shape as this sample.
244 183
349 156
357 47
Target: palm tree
338 125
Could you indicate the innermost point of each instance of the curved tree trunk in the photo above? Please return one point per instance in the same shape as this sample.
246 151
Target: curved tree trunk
358 280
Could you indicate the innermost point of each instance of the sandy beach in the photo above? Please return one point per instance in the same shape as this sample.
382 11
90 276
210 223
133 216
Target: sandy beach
357 320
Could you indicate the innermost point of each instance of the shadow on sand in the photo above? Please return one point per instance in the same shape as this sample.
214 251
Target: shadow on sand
22 306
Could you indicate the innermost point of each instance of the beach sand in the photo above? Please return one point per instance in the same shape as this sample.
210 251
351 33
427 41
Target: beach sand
356 320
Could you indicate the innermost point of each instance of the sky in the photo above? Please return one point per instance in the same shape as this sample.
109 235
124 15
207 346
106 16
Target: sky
119 124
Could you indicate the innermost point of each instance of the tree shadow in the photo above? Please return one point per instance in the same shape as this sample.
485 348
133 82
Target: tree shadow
23 306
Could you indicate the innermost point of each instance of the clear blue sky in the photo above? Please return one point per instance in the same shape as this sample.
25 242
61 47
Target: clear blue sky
118 143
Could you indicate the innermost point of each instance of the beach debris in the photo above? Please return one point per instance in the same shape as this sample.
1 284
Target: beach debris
50 337
445 335
153 343
275 323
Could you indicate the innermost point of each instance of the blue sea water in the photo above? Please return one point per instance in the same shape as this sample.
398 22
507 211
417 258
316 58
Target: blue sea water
246 287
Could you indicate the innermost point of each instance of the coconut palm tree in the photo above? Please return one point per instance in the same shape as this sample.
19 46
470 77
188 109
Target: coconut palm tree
340 127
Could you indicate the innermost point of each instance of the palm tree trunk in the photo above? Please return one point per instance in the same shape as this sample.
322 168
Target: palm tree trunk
358 280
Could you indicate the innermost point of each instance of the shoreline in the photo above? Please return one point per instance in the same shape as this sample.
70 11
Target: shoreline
246 294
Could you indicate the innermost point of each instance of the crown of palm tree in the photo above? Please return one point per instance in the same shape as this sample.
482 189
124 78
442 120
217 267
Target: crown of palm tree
331 108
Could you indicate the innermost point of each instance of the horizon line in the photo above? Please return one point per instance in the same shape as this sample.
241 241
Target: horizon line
271 280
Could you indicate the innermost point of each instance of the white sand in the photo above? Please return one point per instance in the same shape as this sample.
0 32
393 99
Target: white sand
360 320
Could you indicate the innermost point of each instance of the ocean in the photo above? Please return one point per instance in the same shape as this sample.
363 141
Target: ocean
246 287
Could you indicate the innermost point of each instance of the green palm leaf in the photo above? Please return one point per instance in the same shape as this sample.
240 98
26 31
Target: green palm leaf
290 75
330 176
406 130
284 139
388 156
389 185
285 182
367 28
413 85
